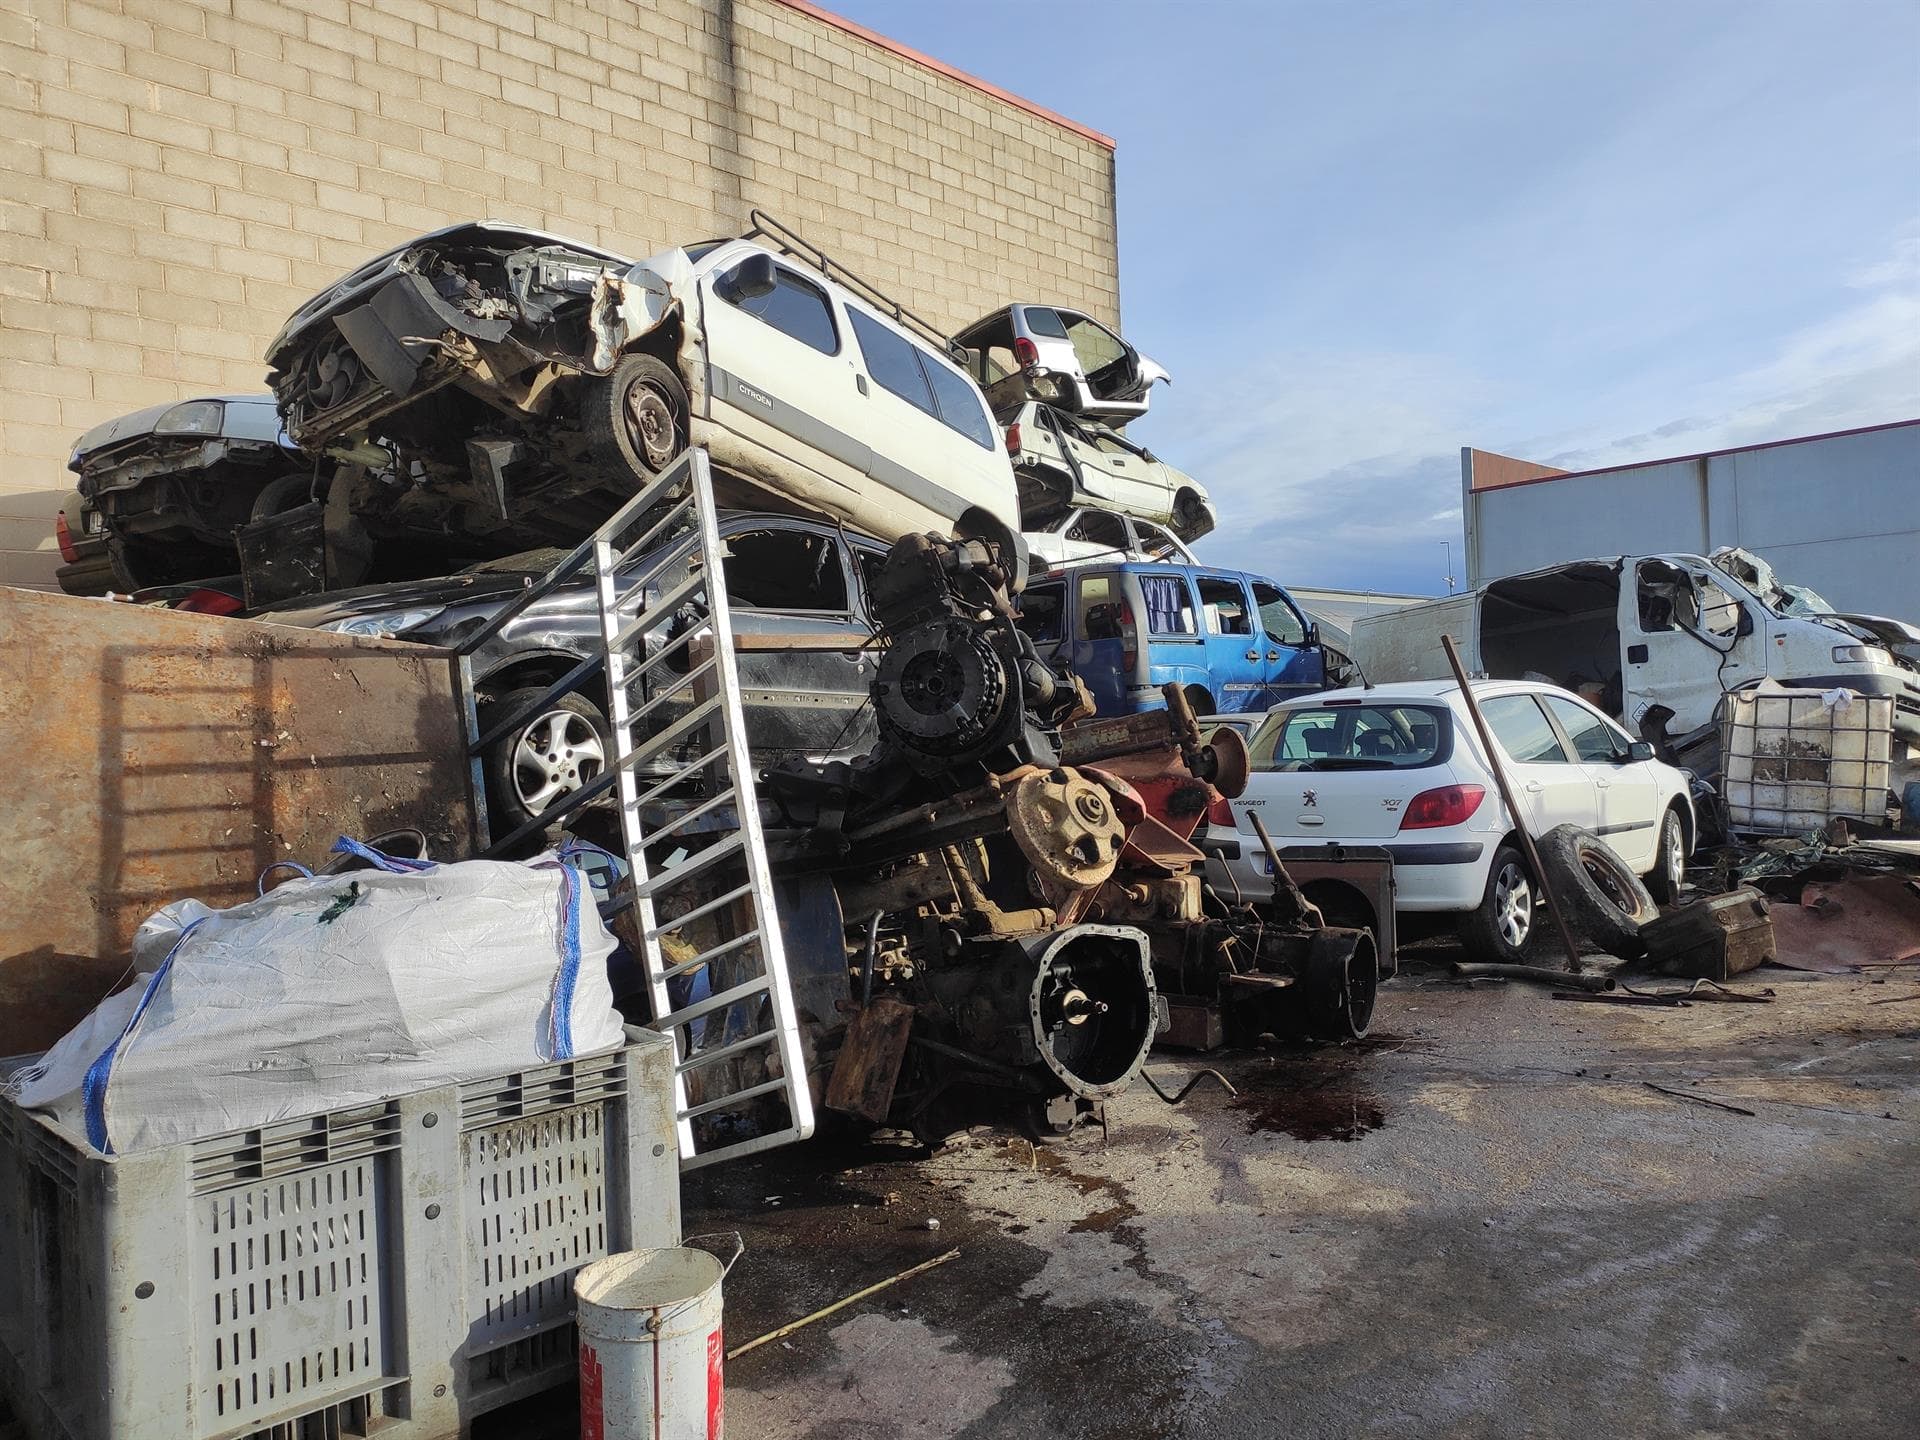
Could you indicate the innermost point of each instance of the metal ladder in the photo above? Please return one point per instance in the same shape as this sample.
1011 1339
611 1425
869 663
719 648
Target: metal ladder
740 1044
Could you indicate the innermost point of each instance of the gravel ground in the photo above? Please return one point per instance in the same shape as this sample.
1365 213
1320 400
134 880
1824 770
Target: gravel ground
1481 1221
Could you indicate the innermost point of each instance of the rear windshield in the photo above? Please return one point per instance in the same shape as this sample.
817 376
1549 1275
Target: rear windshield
1353 737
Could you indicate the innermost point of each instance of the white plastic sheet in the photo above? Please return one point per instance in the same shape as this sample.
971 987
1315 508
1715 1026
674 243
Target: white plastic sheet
334 991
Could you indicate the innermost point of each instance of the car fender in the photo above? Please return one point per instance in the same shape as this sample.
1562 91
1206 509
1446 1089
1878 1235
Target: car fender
623 308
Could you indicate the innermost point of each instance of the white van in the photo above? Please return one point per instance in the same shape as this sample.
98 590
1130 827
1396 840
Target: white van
1652 639
507 373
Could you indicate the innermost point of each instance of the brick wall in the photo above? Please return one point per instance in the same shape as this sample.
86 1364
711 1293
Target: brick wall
177 175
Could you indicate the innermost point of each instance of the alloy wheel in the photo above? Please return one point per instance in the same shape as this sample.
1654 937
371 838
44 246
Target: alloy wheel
1513 905
557 754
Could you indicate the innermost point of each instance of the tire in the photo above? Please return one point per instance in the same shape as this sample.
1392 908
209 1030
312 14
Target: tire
532 767
1200 702
635 417
1670 863
286 493
1603 898
1500 927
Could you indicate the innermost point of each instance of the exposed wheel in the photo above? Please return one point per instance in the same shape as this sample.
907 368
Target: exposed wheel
1200 701
289 492
1190 520
1499 929
635 417
1604 899
561 748
1670 863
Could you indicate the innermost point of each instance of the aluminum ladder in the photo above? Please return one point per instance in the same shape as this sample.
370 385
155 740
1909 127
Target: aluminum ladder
739 1044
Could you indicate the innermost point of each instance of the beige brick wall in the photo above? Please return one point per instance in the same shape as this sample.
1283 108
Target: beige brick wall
177 175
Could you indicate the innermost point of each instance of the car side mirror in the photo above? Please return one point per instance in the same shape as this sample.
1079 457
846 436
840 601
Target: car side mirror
1313 636
750 279
1639 750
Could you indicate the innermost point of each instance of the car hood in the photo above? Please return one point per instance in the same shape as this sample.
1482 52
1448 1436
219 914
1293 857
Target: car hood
244 417
490 234
311 611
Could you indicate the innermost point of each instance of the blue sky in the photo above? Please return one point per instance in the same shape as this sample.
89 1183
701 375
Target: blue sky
1364 234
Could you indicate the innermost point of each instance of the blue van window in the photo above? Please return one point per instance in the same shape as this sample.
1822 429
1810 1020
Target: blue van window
1169 606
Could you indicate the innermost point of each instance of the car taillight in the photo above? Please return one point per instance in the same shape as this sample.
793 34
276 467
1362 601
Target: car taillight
1129 639
63 534
1026 352
209 602
1448 805
1013 438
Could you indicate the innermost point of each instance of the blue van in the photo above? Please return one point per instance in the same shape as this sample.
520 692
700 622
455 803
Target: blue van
1236 642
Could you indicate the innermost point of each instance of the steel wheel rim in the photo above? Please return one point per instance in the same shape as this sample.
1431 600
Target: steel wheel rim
557 754
1512 905
650 425
1608 880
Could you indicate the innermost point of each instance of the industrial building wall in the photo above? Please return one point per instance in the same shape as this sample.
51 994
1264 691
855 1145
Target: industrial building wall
180 174
1834 512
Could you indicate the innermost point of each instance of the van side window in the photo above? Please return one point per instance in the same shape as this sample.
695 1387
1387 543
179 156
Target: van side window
1040 614
959 403
785 570
794 307
891 361
1099 609
1169 605
1277 615
1225 605
1522 730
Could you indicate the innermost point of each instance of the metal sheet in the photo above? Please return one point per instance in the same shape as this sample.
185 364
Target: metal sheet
153 755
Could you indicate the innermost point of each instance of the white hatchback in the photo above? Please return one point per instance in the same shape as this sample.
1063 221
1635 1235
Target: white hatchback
1400 766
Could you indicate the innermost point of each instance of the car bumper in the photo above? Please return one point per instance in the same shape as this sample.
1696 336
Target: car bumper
1427 876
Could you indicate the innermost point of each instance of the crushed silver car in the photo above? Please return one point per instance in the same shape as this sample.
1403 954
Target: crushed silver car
1061 358
506 372
1065 461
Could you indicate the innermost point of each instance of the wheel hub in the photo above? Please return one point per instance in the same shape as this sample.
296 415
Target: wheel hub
650 425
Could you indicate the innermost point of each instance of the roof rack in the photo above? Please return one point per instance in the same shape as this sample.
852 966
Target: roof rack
789 242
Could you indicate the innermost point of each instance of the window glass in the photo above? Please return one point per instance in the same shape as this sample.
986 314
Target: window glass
1099 608
1169 605
891 361
1719 611
785 570
1522 730
1278 617
1224 603
794 307
1592 737
869 562
958 402
1095 346
1100 527
1041 610
1352 737
1042 321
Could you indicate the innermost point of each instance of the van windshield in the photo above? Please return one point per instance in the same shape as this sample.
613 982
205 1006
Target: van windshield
1353 737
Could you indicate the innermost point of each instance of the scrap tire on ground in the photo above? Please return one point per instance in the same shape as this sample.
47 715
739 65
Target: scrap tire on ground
635 416
1604 901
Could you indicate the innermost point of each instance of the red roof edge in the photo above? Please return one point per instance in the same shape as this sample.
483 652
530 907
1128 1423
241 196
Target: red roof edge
1699 455
894 47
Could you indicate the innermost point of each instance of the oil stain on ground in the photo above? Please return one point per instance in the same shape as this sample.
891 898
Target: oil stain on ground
1320 1093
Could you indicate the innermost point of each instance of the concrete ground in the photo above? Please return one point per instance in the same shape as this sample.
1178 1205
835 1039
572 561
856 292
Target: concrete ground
1480 1222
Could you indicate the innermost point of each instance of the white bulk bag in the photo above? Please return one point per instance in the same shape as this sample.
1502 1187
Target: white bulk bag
334 991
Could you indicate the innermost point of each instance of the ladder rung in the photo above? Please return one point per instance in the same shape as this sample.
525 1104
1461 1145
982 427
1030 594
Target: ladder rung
674 1019
659 612
726 1052
739 1097
663 740
692 865
706 807
687 682
685 966
677 921
638 546
647 797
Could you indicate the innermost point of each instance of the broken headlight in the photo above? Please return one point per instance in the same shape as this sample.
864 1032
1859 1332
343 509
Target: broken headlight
1862 655
384 627
192 417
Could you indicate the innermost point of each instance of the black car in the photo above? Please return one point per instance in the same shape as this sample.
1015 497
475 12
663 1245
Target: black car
798 592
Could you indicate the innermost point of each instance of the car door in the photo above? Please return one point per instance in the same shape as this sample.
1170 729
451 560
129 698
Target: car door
1688 639
1235 650
781 372
1294 665
801 641
1625 791
1549 784
1104 630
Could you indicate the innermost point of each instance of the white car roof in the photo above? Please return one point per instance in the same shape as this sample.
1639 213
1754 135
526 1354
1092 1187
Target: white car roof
1421 690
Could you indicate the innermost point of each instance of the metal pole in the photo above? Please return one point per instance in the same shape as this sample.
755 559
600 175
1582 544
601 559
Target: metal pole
1495 764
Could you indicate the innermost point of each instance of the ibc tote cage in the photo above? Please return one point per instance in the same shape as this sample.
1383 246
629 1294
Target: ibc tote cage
740 1045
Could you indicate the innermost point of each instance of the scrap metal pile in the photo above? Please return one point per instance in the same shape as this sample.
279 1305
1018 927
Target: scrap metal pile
1002 895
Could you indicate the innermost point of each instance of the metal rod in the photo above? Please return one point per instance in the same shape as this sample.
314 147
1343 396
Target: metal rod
826 1310
1303 908
1537 973
1498 766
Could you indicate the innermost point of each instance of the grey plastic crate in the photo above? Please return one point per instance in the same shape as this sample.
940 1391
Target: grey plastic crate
395 1269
